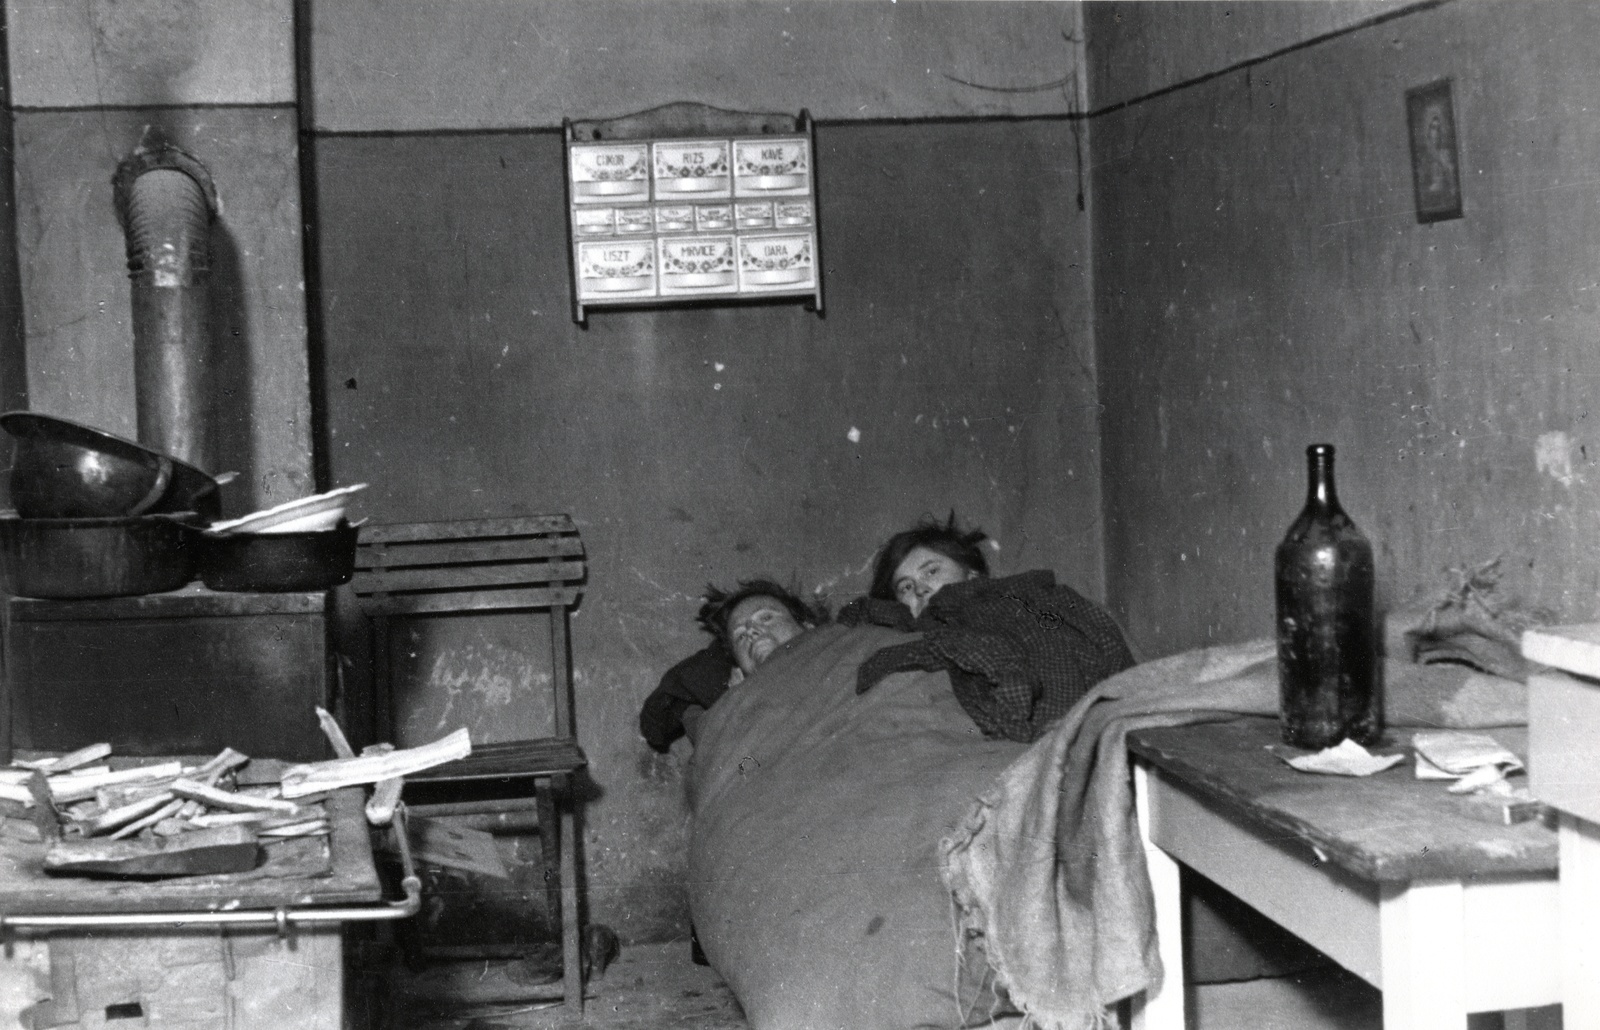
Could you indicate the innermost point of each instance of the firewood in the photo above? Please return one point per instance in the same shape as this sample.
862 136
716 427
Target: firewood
336 738
233 801
225 761
300 780
166 811
118 817
210 820
64 763
385 796
70 788
304 828
17 792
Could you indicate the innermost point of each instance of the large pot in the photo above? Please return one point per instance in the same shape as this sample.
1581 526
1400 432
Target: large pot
64 470
79 558
278 562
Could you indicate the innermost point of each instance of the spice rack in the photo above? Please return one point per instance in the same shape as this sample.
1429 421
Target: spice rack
692 204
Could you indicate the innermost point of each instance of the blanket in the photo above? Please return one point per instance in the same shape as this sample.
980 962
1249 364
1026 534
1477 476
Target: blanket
814 846
1048 867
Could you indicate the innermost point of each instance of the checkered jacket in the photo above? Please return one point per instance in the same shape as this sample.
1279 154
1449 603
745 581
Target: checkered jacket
1020 650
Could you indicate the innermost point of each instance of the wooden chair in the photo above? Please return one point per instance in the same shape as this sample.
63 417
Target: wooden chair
531 563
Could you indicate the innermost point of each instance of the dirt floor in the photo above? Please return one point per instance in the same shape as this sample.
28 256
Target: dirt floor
648 987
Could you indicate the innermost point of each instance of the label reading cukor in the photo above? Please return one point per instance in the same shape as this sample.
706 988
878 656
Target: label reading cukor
616 269
610 173
698 264
770 264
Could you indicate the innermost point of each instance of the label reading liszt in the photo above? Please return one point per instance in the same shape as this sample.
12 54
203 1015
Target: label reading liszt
617 268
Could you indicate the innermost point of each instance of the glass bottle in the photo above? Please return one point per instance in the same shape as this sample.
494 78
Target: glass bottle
1328 686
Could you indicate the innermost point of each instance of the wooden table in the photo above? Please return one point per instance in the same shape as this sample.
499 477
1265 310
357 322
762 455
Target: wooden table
1444 913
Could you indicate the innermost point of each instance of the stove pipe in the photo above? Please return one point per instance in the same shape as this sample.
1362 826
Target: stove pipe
166 202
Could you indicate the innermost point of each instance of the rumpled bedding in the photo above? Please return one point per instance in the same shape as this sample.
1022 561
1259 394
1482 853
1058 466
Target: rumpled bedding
1048 869
814 879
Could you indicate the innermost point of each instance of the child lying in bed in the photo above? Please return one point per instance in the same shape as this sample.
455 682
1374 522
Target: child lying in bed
748 625
1020 650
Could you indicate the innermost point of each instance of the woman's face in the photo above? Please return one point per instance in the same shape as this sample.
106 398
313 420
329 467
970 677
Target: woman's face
758 626
923 573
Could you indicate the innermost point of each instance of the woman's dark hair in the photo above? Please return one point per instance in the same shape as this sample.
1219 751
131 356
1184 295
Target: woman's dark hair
946 538
719 604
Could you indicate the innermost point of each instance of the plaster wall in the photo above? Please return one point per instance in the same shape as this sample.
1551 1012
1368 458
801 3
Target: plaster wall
518 64
1263 283
1137 49
953 369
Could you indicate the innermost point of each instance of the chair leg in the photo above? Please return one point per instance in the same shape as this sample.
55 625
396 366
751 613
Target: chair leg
550 845
572 966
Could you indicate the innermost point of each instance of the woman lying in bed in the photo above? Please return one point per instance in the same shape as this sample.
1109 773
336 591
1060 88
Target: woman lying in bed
819 807
1020 650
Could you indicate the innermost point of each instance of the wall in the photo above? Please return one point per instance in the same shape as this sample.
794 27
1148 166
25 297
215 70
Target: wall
519 64
953 367
218 78
1263 283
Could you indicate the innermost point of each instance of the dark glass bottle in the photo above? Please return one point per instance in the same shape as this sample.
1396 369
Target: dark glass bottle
1328 685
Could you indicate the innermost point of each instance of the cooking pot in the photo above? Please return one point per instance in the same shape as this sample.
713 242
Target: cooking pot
278 562
63 469
113 557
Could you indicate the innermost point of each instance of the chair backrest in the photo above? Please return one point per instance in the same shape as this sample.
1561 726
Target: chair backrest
477 565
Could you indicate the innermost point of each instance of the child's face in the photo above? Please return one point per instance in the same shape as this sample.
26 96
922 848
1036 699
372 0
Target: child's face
923 573
758 626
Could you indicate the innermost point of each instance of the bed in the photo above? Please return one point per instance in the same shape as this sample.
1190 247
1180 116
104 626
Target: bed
872 861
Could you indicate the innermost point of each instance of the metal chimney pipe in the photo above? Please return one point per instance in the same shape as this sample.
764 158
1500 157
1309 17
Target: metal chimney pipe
166 203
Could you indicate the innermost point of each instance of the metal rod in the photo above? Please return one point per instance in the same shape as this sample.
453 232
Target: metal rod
280 917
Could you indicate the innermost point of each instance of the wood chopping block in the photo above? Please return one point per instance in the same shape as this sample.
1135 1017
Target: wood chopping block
225 849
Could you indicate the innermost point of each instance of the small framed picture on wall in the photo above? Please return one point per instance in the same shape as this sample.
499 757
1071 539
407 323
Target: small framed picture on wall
1435 163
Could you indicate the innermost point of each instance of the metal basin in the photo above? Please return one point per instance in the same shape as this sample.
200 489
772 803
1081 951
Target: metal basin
80 558
278 562
63 470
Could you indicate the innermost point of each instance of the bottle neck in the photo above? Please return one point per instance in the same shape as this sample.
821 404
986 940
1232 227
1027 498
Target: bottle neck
1319 477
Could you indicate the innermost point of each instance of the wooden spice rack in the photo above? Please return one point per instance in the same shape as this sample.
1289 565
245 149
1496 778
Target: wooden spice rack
687 203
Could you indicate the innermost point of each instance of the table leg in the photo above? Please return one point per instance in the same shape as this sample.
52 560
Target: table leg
1163 1010
1422 935
1580 915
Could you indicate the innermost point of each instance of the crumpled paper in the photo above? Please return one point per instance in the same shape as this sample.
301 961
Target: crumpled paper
1346 758
1473 760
